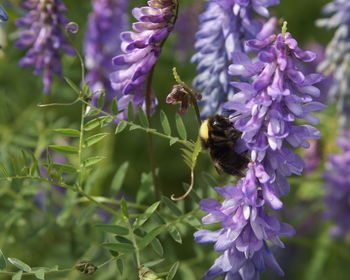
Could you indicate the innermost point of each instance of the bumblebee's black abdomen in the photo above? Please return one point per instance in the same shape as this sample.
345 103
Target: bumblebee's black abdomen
222 137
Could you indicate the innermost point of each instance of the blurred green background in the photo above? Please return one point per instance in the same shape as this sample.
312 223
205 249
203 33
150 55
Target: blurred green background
310 254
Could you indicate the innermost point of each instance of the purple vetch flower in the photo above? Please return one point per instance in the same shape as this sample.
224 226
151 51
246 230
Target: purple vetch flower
242 238
106 21
224 26
185 29
338 56
43 34
142 46
266 109
337 176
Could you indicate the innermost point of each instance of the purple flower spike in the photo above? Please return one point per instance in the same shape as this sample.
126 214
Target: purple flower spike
269 106
338 56
338 188
106 21
264 110
224 25
43 34
142 46
242 238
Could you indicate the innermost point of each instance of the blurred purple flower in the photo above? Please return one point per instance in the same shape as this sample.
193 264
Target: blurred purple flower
338 56
224 26
312 156
338 187
3 14
142 47
106 21
242 238
265 111
43 34
185 29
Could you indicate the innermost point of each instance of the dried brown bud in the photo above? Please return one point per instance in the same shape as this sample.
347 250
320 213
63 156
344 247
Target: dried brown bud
86 267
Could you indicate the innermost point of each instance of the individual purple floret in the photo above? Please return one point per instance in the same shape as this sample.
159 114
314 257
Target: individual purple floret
338 188
141 47
265 111
224 26
242 238
338 56
106 21
43 34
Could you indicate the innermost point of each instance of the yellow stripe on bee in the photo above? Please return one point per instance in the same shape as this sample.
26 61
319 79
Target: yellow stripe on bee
204 130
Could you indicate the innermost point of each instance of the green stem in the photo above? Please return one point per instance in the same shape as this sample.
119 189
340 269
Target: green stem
133 240
81 138
147 130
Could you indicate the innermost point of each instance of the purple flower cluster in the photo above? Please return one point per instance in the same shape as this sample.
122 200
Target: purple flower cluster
338 56
242 238
43 34
106 21
265 111
338 187
142 47
3 14
224 26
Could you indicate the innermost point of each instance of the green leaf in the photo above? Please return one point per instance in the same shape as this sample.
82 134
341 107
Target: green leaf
93 160
4 170
145 216
130 111
118 178
93 112
124 207
113 229
100 121
72 85
114 106
180 127
94 139
150 236
17 276
134 127
172 206
145 187
172 271
64 168
19 264
157 247
175 234
165 123
40 273
70 132
101 100
2 261
143 118
120 127
86 88
65 149
120 266
173 141
119 247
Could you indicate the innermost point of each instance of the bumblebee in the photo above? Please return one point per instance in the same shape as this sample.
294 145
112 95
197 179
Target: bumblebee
218 135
